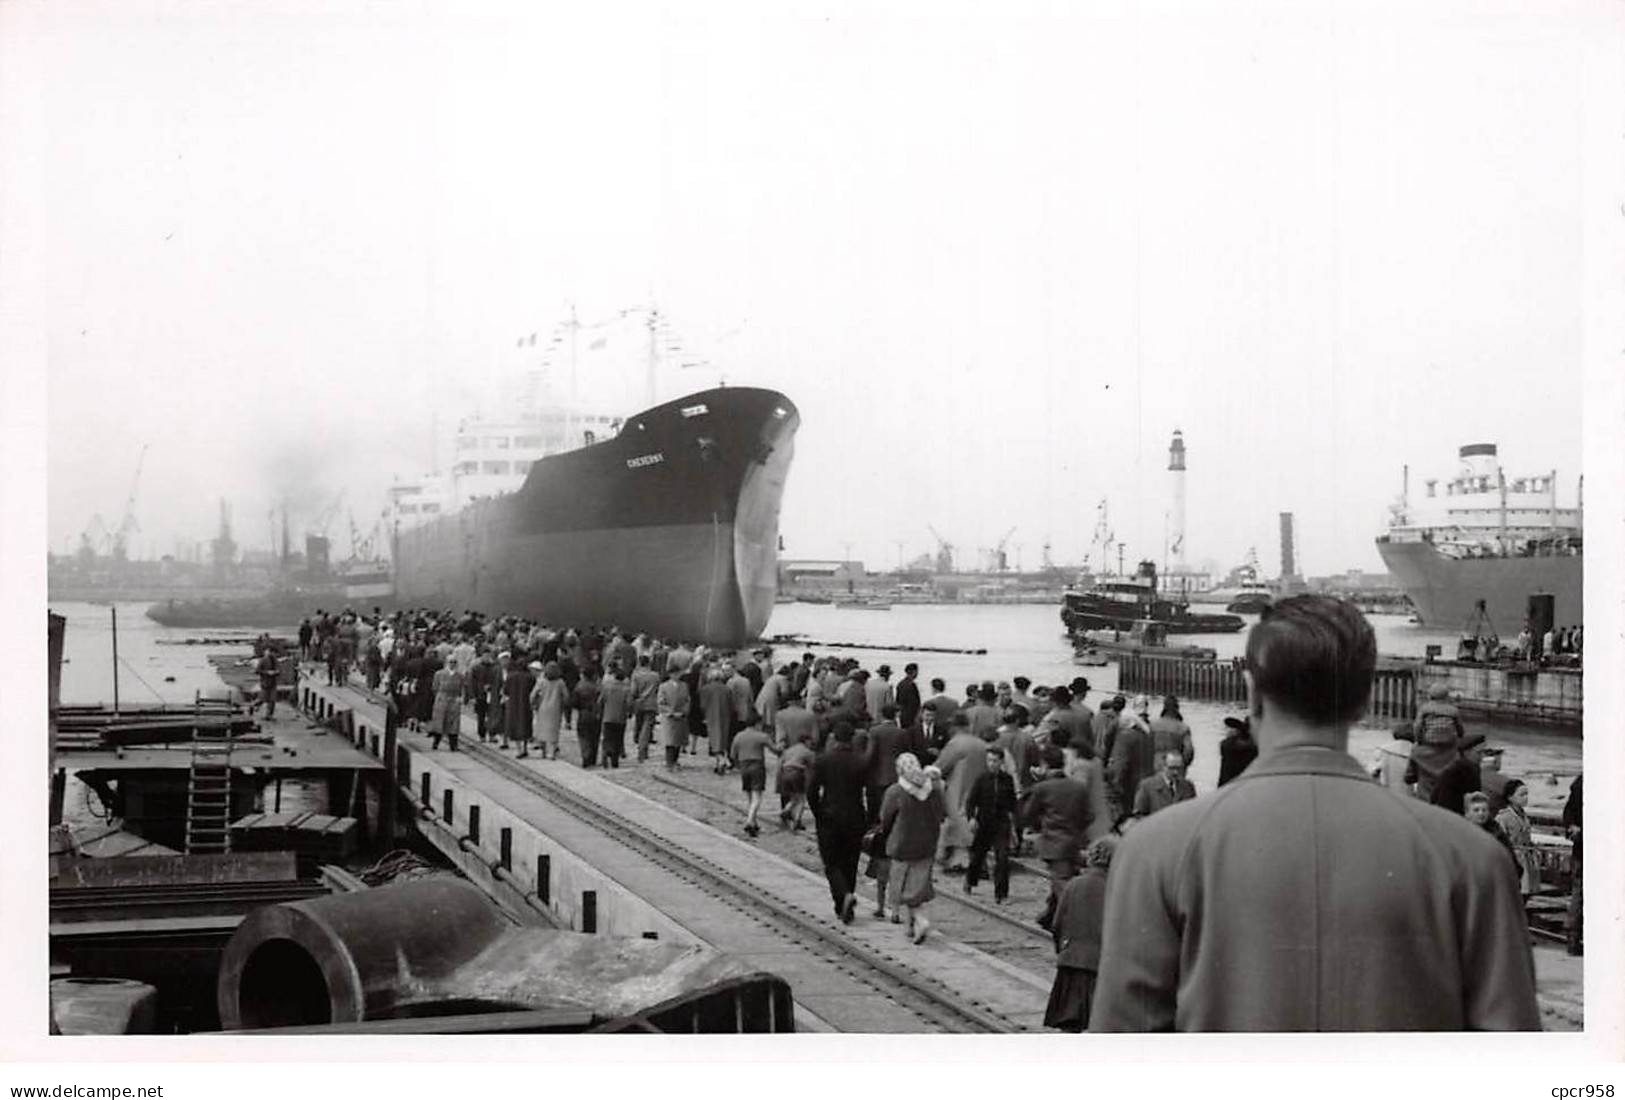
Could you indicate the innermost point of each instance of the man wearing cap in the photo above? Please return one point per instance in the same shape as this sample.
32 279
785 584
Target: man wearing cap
1302 896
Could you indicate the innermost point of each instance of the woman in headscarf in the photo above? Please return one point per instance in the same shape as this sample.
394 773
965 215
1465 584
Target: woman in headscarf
911 815
547 701
1080 918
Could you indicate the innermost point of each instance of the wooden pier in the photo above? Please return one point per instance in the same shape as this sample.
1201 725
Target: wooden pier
1504 693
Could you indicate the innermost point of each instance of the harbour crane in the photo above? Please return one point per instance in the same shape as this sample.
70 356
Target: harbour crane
1001 562
94 539
1103 539
945 551
127 525
324 519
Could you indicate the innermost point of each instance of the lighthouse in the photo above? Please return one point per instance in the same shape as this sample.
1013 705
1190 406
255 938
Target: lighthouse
1176 474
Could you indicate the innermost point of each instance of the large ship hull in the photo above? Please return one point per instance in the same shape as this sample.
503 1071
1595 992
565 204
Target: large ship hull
670 528
1446 590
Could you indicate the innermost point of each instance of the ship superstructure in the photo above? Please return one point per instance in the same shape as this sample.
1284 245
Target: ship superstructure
1482 535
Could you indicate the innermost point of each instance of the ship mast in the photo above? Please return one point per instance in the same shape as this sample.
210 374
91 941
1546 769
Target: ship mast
654 356
1501 484
570 411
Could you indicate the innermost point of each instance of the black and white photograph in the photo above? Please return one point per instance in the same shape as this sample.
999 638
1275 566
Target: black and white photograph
796 531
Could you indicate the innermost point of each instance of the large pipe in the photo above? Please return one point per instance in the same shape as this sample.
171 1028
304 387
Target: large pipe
437 947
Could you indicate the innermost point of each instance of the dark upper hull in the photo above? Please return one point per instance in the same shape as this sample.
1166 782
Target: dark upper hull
670 528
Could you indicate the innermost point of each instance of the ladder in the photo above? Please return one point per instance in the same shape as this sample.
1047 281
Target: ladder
208 785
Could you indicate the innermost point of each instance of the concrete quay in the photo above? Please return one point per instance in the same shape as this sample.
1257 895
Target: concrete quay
586 879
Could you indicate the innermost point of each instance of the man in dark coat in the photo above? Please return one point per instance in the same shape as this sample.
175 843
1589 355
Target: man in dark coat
908 695
884 742
480 682
1131 760
1167 787
1104 727
1462 775
1064 725
835 796
1059 809
941 705
1222 913
991 809
267 669
1237 750
518 719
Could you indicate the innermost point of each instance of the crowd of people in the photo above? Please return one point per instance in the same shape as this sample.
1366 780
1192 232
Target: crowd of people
1155 894
1557 647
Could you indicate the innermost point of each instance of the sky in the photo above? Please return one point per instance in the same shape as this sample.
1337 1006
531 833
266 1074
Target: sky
994 258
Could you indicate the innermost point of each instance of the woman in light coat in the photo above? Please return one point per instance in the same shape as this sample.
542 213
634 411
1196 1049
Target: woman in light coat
547 701
672 701
448 705
1514 821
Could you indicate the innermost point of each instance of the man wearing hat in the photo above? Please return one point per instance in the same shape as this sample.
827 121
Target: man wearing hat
1303 896
1237 749
1463 775
877 692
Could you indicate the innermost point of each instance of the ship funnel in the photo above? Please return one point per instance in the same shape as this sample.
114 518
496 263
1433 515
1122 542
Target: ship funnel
1478 466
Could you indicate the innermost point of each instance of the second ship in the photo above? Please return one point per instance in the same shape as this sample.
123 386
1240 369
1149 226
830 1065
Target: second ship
665 523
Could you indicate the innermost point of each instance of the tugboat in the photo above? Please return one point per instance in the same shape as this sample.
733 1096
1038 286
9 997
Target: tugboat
1121 603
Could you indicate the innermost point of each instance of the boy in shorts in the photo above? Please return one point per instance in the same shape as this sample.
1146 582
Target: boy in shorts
749 754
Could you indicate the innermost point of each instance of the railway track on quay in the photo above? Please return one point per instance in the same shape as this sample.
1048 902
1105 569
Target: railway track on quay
1028 928
931 1001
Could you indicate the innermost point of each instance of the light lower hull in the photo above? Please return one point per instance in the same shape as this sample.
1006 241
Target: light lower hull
1445 591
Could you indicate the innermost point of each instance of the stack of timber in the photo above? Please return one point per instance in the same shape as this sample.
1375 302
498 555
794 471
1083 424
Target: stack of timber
314 839
99 727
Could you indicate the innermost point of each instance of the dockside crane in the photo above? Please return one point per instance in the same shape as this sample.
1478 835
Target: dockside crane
94 539
1001 561
127 525
945 551
1103 540
324 518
